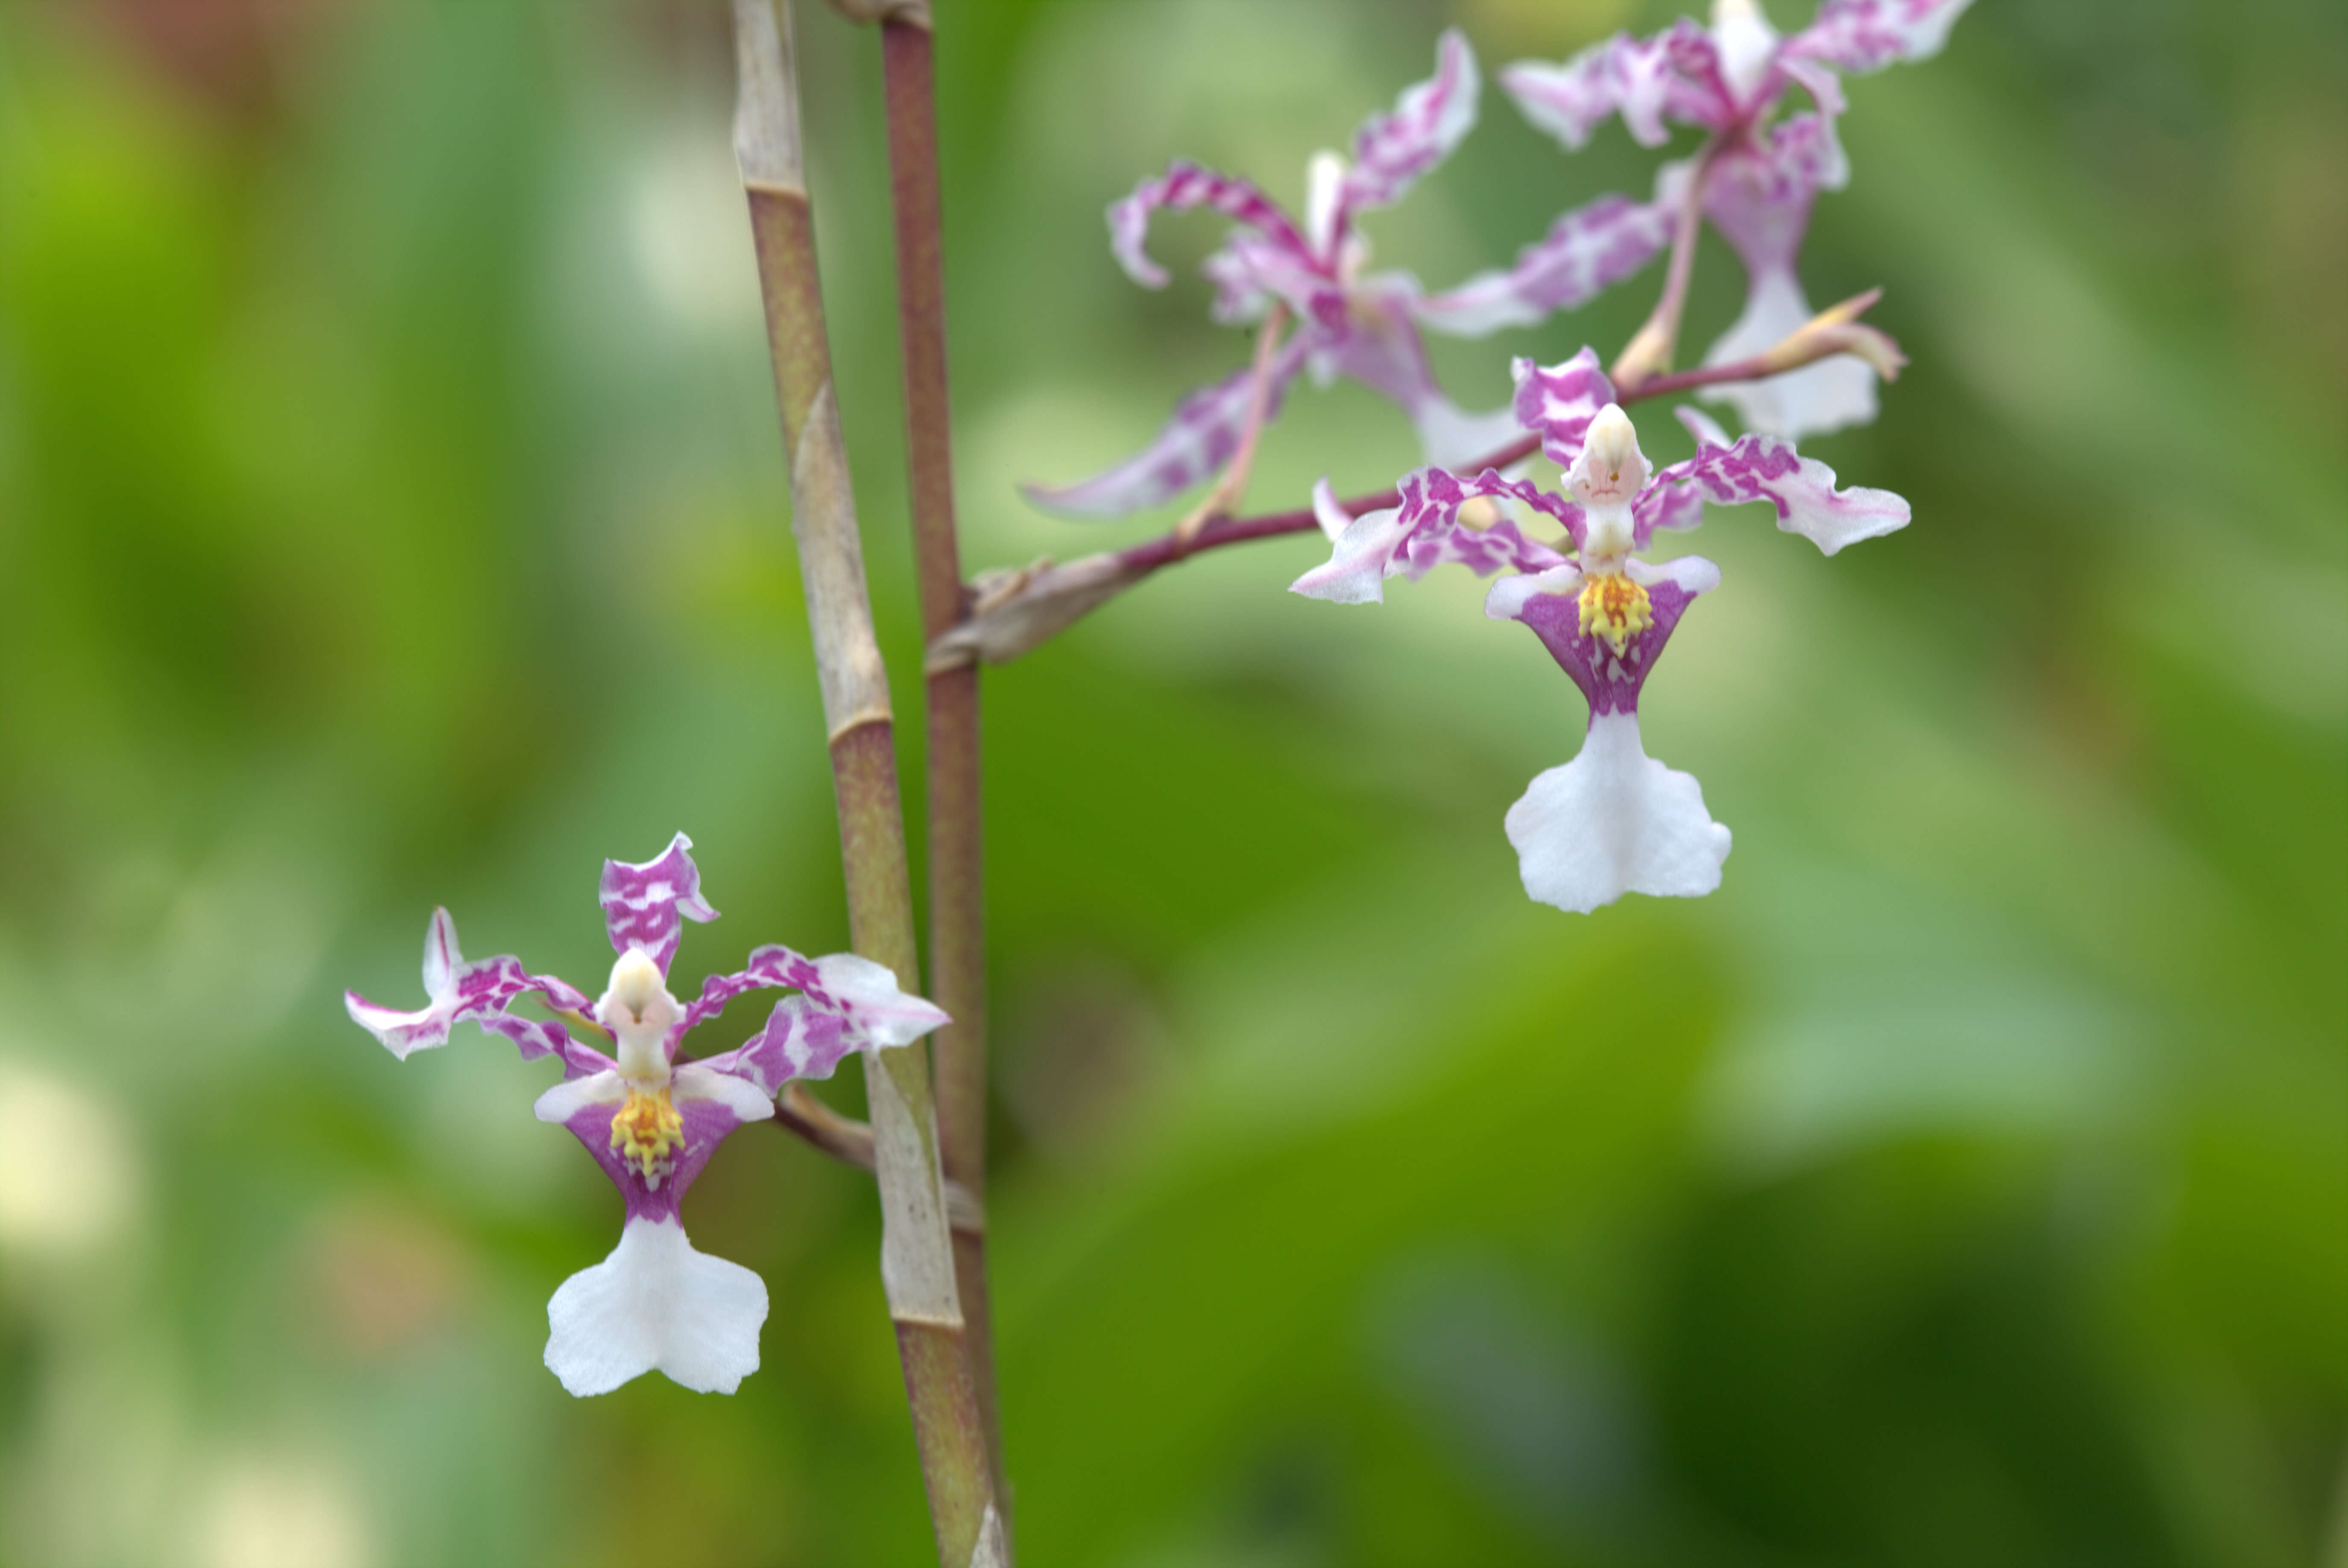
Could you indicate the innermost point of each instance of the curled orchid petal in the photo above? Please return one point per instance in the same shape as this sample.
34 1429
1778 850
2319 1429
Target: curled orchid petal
1584 253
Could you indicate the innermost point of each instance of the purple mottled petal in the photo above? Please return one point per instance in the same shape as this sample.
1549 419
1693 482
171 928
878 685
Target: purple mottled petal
1411 537
1763 468
1193 446
1573 99
1392 150
800 1040
1185 184
860 994
1673 76
1558 401
1585 252
1868 35
646 905
459 990
771 968
1483 550
1686 83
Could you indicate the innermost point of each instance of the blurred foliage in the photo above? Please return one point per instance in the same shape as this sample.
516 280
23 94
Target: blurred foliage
392 514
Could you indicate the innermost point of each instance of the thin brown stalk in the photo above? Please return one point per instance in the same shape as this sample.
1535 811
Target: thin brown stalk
1649 352
1232 484
957 870
916 1250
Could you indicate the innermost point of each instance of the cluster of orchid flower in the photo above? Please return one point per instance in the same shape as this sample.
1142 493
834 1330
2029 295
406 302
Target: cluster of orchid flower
1612 820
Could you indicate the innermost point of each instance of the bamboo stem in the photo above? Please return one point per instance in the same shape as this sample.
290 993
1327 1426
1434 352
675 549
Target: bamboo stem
916 1250
957 870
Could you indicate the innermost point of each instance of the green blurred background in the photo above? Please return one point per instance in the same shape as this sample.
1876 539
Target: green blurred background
392 512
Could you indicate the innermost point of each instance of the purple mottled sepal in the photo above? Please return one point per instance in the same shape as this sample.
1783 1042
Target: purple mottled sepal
1185 185
1193 448
1392 150
458 990
1763 467
1864 35
645 906
862 995
1424 533
1558 401
1631 76
1584 253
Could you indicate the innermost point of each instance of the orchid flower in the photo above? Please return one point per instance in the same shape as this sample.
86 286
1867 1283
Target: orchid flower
1760 182
1351 324
1613 820
651 1121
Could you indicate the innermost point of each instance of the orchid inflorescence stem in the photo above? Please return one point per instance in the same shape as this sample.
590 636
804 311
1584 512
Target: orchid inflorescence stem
917 1254
1016 610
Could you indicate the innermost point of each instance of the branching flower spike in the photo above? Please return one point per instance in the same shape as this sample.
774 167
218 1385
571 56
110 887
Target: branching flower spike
1364 326
1760 180
1613 820
651 1121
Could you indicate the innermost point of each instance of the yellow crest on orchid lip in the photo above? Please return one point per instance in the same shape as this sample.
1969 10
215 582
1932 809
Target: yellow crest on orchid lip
646 1132
1615 608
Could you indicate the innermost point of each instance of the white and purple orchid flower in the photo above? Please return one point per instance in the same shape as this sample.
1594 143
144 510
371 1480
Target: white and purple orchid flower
1349 322
651 1121
1760 180
1614 820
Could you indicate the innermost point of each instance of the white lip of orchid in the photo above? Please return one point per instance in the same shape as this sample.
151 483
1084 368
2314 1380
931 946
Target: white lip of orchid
1747 44
639 1011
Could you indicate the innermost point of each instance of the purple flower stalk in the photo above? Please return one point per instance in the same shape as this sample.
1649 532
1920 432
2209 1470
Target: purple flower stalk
1760 180
651 1121
1349 322
1614 820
